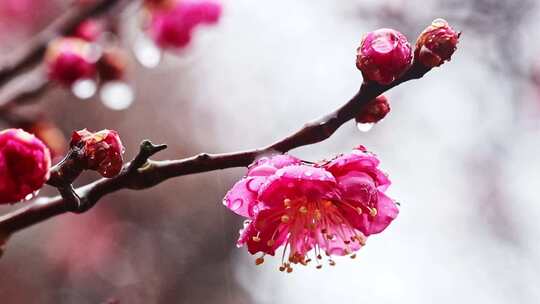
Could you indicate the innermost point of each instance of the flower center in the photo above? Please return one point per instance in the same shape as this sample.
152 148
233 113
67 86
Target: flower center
319 225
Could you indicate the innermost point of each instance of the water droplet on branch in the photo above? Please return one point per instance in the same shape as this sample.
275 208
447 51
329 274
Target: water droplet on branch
364 127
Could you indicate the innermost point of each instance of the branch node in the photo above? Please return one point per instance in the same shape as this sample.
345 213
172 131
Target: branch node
146 150
203 156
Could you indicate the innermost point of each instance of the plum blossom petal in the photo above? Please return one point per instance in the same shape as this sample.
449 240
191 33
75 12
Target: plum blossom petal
361 161
242 198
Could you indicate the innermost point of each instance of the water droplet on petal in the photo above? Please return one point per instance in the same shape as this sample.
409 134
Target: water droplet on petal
236 204
116 95
308 173
364 127
255 210
147 53
253 185
84 88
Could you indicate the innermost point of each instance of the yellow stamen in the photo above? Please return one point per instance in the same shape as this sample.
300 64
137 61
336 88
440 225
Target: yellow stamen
285 218
287 202
303 209
327 203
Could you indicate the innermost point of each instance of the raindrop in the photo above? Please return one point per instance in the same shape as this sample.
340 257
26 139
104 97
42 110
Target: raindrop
255 210
84 88
236 204
253 185
364 127
147 53
308 173
116 95
31 196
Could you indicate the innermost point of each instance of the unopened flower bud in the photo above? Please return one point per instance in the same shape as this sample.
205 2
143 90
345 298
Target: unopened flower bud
89 30
69 60
102 151
374 111
24 165
112 64
383 56
436 44
172 28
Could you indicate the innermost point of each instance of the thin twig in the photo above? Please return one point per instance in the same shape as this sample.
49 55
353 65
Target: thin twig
143 173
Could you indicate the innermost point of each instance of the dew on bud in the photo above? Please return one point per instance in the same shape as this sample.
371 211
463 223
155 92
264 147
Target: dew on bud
365 127
116 95
84 88
147 53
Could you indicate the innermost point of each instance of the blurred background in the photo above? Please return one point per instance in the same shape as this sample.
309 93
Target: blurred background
460 145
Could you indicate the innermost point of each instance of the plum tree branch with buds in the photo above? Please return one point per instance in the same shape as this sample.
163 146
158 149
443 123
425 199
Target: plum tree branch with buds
328 196
143 173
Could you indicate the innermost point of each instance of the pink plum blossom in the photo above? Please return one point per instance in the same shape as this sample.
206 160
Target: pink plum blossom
328 208
24 165
173 27
383 55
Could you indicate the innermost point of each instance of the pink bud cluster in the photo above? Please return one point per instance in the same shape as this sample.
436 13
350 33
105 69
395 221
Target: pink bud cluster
24 165
173 22
69 59
385 54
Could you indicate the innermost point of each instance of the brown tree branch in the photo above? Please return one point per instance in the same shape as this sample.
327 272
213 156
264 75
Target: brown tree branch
143 173
22 77
32 52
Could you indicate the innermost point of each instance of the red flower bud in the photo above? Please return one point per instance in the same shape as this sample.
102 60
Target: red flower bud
112 64
102 151
374 110
89 30
172 27
383 56
24 165
436 43
68 60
